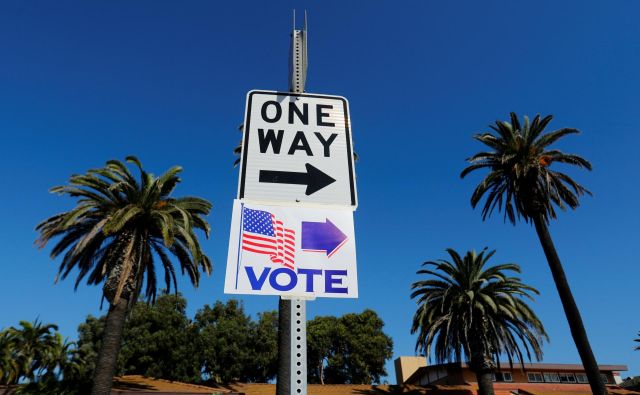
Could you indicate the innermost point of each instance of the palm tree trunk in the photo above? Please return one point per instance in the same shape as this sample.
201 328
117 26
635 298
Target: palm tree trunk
485 382
483 368
112 338
570 308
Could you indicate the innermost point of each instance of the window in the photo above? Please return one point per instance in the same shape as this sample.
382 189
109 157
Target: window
502 376
581 378
567 378
535 377
551 377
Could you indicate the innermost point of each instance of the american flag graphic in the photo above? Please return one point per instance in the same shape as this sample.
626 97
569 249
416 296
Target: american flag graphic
262 233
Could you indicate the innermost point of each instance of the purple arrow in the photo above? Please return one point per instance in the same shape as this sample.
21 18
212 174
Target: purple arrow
322 237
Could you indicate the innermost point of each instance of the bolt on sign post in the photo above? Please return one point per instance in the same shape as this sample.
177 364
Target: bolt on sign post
292 231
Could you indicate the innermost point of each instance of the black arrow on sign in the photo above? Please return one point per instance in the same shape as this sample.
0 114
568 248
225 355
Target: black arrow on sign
314 178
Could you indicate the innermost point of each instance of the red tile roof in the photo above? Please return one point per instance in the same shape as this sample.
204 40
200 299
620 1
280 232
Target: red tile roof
137 385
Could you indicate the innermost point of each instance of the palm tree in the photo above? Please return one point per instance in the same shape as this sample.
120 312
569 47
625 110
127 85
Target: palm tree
521 182
113 235
32 345
467 307
59 358
46 357
9 368
638 341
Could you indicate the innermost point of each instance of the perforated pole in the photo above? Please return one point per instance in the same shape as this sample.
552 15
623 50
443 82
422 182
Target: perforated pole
292 313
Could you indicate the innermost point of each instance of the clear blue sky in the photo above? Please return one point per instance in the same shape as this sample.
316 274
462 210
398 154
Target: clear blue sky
81 83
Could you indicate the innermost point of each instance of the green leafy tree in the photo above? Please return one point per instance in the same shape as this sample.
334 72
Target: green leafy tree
521 182
112 236
225 333
263 367
322 336
365 347
155 336
465 306
90 335
160 341
234 347
351 349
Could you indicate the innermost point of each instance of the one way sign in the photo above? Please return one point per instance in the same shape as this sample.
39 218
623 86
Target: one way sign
297 148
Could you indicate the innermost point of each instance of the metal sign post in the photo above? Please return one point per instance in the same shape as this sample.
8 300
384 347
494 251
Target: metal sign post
292 232
292 313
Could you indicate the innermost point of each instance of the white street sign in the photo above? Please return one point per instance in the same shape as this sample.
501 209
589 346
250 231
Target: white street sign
295 251
297 148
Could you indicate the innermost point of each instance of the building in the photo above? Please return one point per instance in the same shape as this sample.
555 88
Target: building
527 378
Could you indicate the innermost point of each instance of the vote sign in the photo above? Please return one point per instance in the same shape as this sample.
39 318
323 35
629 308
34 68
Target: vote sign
297 148
296 251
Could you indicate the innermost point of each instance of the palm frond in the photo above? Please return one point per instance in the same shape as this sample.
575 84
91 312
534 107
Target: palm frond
520 181
118 221
465 307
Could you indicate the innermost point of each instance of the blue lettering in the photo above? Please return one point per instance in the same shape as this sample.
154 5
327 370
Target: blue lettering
293 279
329 281
333 279
310 273
257 283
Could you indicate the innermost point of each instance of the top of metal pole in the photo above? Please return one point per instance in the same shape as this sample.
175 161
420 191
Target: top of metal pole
298 57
